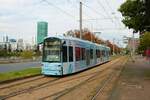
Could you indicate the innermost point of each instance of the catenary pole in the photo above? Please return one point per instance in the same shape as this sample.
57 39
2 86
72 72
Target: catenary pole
80 20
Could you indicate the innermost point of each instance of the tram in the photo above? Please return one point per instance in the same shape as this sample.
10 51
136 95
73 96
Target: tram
67 55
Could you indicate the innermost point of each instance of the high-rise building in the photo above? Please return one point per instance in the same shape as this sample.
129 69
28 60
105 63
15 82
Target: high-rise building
42 31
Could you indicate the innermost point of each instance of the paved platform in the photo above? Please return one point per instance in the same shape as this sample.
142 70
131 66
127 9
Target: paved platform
134 83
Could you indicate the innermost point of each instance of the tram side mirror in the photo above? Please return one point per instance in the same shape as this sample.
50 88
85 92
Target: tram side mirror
63 43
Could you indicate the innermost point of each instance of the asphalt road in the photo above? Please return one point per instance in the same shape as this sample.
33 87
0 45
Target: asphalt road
18 66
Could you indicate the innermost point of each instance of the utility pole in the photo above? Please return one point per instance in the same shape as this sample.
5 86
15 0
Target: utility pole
133 45
80 20
113 46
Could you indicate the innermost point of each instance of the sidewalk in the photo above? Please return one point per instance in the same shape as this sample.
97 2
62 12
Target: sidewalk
134 82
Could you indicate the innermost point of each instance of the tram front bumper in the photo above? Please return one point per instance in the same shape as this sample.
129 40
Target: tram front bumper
55 69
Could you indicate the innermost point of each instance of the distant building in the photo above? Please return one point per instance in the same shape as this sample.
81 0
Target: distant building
133 43
42 31
12 40
13 44
2 45
28 46
20 44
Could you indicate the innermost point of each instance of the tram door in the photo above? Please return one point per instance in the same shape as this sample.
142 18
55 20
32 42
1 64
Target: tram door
87 57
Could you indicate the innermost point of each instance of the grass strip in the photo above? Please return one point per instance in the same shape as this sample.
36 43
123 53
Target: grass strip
19 74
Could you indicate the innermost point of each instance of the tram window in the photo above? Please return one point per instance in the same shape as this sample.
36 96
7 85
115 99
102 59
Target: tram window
106 53
83 53
98 53
91 53
70 54
77 53
64 53
101 53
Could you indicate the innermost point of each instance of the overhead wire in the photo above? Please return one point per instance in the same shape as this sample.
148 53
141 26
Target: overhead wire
94 10
101 5
79 8
112 12
61 10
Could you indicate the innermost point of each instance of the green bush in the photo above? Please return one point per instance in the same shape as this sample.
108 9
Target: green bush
144 42
3 53
27 54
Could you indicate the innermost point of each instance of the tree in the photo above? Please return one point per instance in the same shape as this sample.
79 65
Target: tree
147 5
133 12
144 42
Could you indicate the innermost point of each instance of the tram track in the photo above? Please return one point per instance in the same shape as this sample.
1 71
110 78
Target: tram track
19 83
44 85
25 90
52 83
107 81
59 94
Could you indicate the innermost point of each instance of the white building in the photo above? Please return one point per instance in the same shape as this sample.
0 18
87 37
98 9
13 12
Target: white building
20 44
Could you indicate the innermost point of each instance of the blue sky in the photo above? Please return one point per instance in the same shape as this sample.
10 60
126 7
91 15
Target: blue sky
18 18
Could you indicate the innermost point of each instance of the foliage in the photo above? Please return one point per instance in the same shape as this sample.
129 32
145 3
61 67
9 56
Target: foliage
89 36
86 35
133 12
19 74
27 54
23 54
3 53
16 54
144 42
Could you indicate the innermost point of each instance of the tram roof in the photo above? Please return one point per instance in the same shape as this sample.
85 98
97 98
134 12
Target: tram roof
76 39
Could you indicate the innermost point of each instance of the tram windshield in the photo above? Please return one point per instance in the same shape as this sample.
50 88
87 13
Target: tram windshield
51 50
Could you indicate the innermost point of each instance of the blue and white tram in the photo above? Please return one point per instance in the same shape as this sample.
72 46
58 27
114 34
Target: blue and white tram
67 55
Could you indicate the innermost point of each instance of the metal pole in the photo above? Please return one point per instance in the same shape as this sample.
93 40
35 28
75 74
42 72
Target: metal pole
91 33
133 46
80 20
113 46
91 38
80 13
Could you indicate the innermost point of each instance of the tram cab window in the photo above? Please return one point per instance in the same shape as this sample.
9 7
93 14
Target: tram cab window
51 51
64 49
70 54
77 53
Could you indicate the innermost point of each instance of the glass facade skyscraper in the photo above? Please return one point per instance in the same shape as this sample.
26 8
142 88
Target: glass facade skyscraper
42 31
